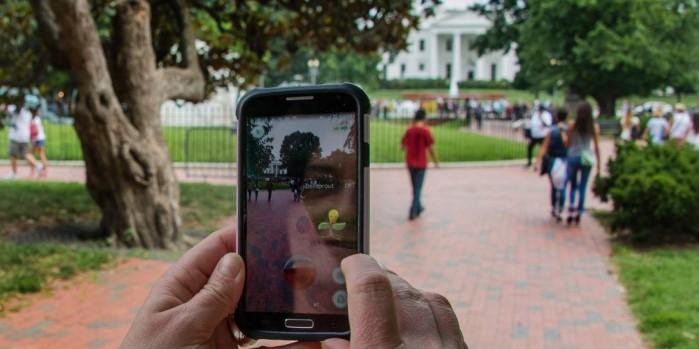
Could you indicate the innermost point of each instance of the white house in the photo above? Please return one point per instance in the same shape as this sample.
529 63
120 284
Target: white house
442 48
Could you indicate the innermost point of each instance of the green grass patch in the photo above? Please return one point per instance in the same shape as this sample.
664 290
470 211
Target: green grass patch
452 143
219 144
663 292
24 205
27 268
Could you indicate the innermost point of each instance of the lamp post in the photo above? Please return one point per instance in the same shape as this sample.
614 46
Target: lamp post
313 65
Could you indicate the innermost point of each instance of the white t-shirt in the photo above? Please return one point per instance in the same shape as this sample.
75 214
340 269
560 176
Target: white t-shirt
540 123
19 124
681 124
656 128
40 134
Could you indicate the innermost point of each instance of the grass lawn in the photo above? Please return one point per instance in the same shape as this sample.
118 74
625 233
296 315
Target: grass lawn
219 144
26 268
663 292
452 144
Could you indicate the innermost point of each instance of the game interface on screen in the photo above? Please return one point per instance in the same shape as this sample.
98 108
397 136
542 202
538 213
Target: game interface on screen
301 173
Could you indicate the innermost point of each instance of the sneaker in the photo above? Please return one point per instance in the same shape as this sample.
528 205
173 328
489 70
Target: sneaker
9 176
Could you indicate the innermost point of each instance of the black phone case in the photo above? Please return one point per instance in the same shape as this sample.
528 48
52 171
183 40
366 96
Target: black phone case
364 107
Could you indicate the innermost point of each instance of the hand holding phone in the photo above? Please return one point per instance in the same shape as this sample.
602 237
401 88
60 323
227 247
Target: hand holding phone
186 309
308 149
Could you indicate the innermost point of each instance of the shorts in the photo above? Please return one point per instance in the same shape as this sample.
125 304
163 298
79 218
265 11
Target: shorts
39 143
19 149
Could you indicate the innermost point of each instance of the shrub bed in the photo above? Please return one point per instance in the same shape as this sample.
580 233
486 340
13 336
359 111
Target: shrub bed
655 191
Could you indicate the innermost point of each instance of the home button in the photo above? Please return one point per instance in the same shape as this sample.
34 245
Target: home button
298 323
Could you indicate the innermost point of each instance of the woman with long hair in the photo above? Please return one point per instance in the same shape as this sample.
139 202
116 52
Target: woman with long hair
583 134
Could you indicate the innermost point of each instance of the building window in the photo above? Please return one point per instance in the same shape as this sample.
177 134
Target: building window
448 70
402 70
422 45
471 74
493 72
449 43
422 66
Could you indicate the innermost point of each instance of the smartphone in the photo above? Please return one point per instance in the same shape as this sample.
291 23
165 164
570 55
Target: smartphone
303 185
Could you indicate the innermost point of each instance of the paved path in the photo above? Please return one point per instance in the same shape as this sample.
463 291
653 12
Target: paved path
515 278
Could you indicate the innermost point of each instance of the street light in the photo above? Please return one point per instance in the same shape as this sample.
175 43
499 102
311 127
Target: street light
313 65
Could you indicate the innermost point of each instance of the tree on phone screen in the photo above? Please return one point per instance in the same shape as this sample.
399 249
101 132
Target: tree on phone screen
297 151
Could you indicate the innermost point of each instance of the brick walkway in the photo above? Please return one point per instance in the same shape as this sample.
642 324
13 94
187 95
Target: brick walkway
515 278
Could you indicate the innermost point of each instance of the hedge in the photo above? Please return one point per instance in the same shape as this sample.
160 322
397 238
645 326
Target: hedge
418 84
655 192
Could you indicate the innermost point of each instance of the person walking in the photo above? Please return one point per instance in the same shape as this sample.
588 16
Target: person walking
681 125
417 142
38 139
553 154
657 128
630 126
540 122
20 136
583 135
269 190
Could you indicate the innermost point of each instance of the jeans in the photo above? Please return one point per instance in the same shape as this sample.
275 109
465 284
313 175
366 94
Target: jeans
417 177
578 175
558 196
533 142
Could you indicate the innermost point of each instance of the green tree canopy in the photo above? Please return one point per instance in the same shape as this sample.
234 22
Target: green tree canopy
603 49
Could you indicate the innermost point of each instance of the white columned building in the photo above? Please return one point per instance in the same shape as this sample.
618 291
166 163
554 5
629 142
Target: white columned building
443 49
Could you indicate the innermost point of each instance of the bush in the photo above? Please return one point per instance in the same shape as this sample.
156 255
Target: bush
417 84
485 84
655 191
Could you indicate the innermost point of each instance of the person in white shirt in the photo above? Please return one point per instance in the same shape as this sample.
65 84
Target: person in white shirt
540 122
19 134
681 125
38 137
657 128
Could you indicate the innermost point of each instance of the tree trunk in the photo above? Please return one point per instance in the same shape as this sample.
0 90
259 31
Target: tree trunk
129 174
606 104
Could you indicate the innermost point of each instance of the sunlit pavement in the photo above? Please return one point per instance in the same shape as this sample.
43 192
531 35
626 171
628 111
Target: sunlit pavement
515 278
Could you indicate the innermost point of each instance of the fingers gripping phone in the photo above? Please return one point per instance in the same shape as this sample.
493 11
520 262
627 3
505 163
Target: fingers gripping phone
302 207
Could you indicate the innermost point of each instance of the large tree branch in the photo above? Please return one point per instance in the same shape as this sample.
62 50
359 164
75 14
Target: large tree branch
188 82
48 28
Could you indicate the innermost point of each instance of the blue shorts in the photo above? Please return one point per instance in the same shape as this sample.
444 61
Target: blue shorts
39 144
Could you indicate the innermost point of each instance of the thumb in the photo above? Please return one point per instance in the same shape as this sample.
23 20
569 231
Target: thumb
219 297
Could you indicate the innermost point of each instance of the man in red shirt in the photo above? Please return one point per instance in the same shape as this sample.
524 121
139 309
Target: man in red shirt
417 142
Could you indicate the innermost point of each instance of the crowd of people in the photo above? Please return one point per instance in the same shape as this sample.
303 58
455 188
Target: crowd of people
472 109
27 138
570 150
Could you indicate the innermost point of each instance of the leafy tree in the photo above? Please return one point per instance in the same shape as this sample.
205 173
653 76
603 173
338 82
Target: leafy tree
335 66
602 49
297 151
127 57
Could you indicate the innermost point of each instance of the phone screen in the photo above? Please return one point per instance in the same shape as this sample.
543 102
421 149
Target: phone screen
301 211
